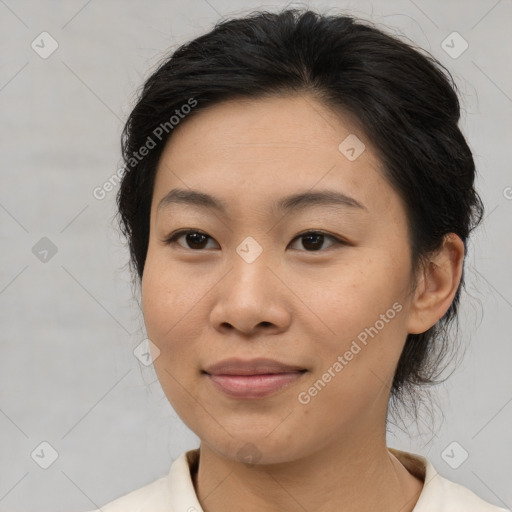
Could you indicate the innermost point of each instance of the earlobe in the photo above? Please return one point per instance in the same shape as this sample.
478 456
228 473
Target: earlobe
437 286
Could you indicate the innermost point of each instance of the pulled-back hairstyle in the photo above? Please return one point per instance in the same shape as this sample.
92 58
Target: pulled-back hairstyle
404 101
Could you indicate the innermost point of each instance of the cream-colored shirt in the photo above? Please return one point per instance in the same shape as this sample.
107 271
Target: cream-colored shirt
175 492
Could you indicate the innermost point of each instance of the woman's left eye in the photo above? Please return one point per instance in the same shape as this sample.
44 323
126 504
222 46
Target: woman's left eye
313 240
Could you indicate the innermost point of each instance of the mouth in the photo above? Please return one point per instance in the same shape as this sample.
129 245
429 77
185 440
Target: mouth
254 379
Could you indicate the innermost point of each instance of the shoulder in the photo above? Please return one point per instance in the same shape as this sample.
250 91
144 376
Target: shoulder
439 493
170 492
148 497
455 497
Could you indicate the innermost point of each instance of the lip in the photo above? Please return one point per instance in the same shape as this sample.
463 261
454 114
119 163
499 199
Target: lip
258 366
252 379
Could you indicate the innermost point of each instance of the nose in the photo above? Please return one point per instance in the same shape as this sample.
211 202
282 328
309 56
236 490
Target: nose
251 299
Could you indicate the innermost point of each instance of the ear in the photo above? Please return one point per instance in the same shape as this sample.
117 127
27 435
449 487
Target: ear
437 285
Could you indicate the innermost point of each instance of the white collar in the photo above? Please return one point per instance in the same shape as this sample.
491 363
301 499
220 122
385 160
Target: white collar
175 492
438 493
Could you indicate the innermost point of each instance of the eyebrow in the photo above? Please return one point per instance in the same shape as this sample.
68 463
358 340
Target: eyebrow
293 202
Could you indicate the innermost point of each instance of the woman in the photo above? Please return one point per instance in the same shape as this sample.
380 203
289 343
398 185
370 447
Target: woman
297 200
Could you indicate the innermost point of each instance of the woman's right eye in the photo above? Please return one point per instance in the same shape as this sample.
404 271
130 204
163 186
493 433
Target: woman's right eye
194 239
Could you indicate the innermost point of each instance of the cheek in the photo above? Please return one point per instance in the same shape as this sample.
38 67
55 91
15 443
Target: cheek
355 366
170 307
169 297
361 316
352 295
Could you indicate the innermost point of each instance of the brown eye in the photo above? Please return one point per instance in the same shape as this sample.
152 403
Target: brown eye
195 240
313 240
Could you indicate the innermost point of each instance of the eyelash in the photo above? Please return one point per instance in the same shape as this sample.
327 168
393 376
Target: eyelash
173 238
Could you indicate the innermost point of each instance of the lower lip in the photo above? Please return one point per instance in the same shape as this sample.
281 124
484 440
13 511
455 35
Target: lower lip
254 386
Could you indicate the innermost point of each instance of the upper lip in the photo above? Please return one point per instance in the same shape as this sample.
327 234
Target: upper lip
259 366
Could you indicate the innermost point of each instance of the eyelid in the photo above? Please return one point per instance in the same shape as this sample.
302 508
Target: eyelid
177 234
336 239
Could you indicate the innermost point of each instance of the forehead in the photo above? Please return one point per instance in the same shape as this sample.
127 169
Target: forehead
258 127
263 148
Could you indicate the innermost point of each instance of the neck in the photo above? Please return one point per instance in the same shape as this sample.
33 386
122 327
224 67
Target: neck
357 474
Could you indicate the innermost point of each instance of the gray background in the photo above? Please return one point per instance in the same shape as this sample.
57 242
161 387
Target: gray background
68 375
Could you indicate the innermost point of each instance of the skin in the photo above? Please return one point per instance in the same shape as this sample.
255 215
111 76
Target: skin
293 304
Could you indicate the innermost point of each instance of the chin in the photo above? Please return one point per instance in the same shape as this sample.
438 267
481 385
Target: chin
253 448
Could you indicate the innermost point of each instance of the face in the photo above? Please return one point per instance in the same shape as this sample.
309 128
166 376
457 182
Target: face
319 283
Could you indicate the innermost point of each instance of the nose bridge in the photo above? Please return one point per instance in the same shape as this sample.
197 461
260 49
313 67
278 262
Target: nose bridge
250 250
249 267
249 294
